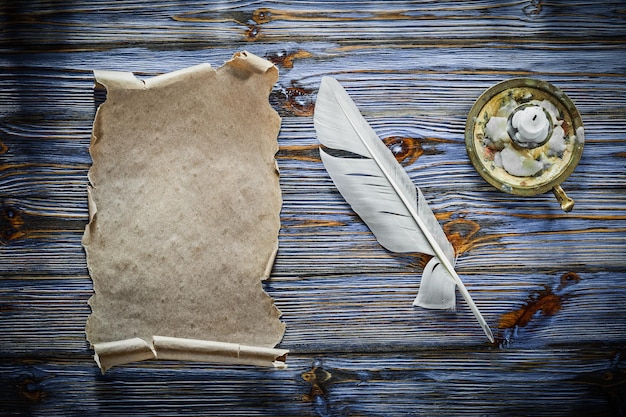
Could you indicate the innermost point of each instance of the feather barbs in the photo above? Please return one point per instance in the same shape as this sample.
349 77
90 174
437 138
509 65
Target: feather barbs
380 191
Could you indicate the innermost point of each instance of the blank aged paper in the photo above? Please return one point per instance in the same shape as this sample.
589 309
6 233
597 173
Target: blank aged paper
184 216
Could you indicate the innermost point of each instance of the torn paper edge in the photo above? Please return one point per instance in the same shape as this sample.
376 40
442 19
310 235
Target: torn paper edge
121 352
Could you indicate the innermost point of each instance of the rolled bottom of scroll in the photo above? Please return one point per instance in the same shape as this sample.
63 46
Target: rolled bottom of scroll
120 352
109 354
208 351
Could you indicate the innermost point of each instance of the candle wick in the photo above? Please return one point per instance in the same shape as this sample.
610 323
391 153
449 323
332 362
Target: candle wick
534 117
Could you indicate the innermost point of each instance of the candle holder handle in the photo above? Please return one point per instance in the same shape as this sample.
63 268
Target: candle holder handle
567 204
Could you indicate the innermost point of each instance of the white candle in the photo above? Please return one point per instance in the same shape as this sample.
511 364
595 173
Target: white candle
531 124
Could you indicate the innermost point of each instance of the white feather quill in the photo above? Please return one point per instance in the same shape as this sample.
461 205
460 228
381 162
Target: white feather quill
380 191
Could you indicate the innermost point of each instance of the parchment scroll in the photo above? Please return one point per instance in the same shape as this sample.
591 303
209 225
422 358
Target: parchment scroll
184 205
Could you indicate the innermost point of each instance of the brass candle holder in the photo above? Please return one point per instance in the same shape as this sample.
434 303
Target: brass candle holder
513 164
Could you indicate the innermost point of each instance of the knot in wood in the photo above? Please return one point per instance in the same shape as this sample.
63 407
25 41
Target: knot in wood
263 15
317 377
405 149
11 224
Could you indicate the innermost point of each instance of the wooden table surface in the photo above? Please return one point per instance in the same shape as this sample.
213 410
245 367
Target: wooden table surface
552 285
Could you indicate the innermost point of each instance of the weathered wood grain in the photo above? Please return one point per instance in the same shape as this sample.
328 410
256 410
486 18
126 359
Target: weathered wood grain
551 285
349 23
438 383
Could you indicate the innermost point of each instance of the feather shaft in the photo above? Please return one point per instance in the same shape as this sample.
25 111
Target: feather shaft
366 145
